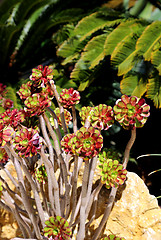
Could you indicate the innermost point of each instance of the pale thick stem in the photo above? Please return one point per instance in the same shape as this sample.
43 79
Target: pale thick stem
93 165
74 188
74 119
53 88
11 177
128 147
63 165
81 232
106 214
52 184
114 190
56 126
47 139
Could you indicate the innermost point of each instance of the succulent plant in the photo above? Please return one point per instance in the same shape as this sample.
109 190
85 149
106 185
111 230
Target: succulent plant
112 172
37 103
67 116
3 157
112 237
12 117
110 153
7 103
69 97
131 112
102 117
86 143
41 174
41 76
2 90
8 132
25 90
65 143
27 142
57 228
84 113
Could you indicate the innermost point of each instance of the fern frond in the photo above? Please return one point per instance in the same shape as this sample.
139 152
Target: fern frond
156 59
124 55
11 94
120 32
150 38
133 84
154 90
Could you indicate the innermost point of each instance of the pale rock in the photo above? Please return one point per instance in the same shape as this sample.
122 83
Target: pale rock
135 215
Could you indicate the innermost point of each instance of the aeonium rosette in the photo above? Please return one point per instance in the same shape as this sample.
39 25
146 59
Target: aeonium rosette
27 142
57 228
101 117
3 157
112 237
131 112
41 76
69 97
85 143
67 116
84 114
112 172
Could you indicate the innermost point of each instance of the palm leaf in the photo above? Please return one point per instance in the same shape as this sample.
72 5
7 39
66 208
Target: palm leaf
133 84
154 90
120 32
91 56
156 60
149 39
82 33
124 56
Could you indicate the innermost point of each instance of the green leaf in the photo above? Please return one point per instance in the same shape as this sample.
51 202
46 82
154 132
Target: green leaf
133 84
149 40
156 59
124 56
120 32
154 90
93 52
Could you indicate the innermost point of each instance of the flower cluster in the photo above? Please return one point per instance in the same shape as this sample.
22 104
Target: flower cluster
57 228
3 157
37 94
86 142
69 97
6 103
41 76
67 116
27 142
112 172
41 174
131 112
112 237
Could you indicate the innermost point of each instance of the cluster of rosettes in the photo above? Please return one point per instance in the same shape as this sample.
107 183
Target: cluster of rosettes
41 174
9 121
57 228
37 93
100 117
112 172
67 116
112 237
6 103
27 142
3 157
85 143
131 112
69 97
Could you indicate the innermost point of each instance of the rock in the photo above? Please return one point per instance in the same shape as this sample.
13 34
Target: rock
135 215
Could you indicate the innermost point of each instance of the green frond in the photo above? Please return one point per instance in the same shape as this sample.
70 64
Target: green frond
91 56
154 90
133 84
149 40
82 33
124 55
120 32
11 94
156 59
93 52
